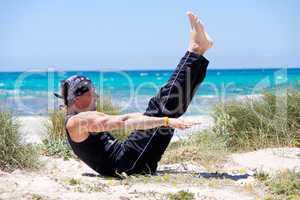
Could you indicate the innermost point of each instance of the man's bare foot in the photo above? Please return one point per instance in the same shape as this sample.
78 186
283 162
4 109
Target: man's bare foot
200 41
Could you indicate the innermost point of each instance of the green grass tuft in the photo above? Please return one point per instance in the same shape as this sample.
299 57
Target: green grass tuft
261 176
59 148
37 197
56 130
181 195
283 185
55 144
251 124
13 153
106 106
74 181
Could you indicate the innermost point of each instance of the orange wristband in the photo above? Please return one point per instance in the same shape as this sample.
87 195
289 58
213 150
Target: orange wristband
166 121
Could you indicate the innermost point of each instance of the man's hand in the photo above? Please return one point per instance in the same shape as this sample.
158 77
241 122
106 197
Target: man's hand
181 124
200 41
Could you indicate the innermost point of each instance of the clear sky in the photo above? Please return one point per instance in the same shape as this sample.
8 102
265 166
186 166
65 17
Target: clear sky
135 34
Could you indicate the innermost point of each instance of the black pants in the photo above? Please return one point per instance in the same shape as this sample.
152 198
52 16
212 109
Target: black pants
142 150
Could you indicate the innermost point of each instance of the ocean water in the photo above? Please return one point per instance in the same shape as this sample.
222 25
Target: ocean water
31 93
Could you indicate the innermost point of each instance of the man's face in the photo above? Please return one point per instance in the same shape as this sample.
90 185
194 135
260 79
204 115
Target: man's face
87 101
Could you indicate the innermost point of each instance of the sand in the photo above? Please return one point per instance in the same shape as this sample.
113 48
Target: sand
235 181
52 181
269 160
33 128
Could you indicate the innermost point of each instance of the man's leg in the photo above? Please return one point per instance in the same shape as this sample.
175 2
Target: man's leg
173 100
174 97
143 149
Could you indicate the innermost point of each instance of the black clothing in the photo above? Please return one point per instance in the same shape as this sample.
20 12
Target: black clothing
142 150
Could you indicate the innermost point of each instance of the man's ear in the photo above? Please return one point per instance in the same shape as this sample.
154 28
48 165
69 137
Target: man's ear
76 100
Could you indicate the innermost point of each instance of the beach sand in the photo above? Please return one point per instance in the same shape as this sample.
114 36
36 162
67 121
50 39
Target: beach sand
32 128
72 179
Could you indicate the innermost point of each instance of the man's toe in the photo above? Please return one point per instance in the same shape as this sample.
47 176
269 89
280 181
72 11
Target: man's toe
192 20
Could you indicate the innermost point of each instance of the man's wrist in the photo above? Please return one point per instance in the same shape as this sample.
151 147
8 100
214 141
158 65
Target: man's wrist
166 121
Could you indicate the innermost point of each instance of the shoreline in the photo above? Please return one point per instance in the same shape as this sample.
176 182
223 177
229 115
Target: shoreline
202 105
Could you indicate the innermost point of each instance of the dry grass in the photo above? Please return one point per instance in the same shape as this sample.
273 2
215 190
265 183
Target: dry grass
56 144
106 106
259 123
56 130
13 153
284 185
181 195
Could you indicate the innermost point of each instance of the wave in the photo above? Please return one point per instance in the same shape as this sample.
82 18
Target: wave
23 93
143 74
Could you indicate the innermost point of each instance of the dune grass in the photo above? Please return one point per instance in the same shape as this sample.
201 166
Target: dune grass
105 105
250 124
181 195
285 185
56 144
13 153
269 121
282 185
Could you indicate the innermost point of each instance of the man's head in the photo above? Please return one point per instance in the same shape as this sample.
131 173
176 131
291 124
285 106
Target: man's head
78 94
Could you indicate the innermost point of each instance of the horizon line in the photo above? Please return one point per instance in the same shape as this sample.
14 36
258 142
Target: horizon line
153 69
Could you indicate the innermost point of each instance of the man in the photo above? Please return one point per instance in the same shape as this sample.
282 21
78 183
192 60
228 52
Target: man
88 130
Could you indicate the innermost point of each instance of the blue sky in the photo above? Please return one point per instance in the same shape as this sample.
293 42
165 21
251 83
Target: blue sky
132 34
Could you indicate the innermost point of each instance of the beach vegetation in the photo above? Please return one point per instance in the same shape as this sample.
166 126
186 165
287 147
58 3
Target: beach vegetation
254 123
181 195
261 176
74 181
55 143
37 197
14 154
282 185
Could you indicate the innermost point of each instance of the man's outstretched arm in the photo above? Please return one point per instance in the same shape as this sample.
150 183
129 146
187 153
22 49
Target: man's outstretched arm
81 125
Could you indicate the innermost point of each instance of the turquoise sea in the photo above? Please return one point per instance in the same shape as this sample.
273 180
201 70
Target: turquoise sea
30 93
